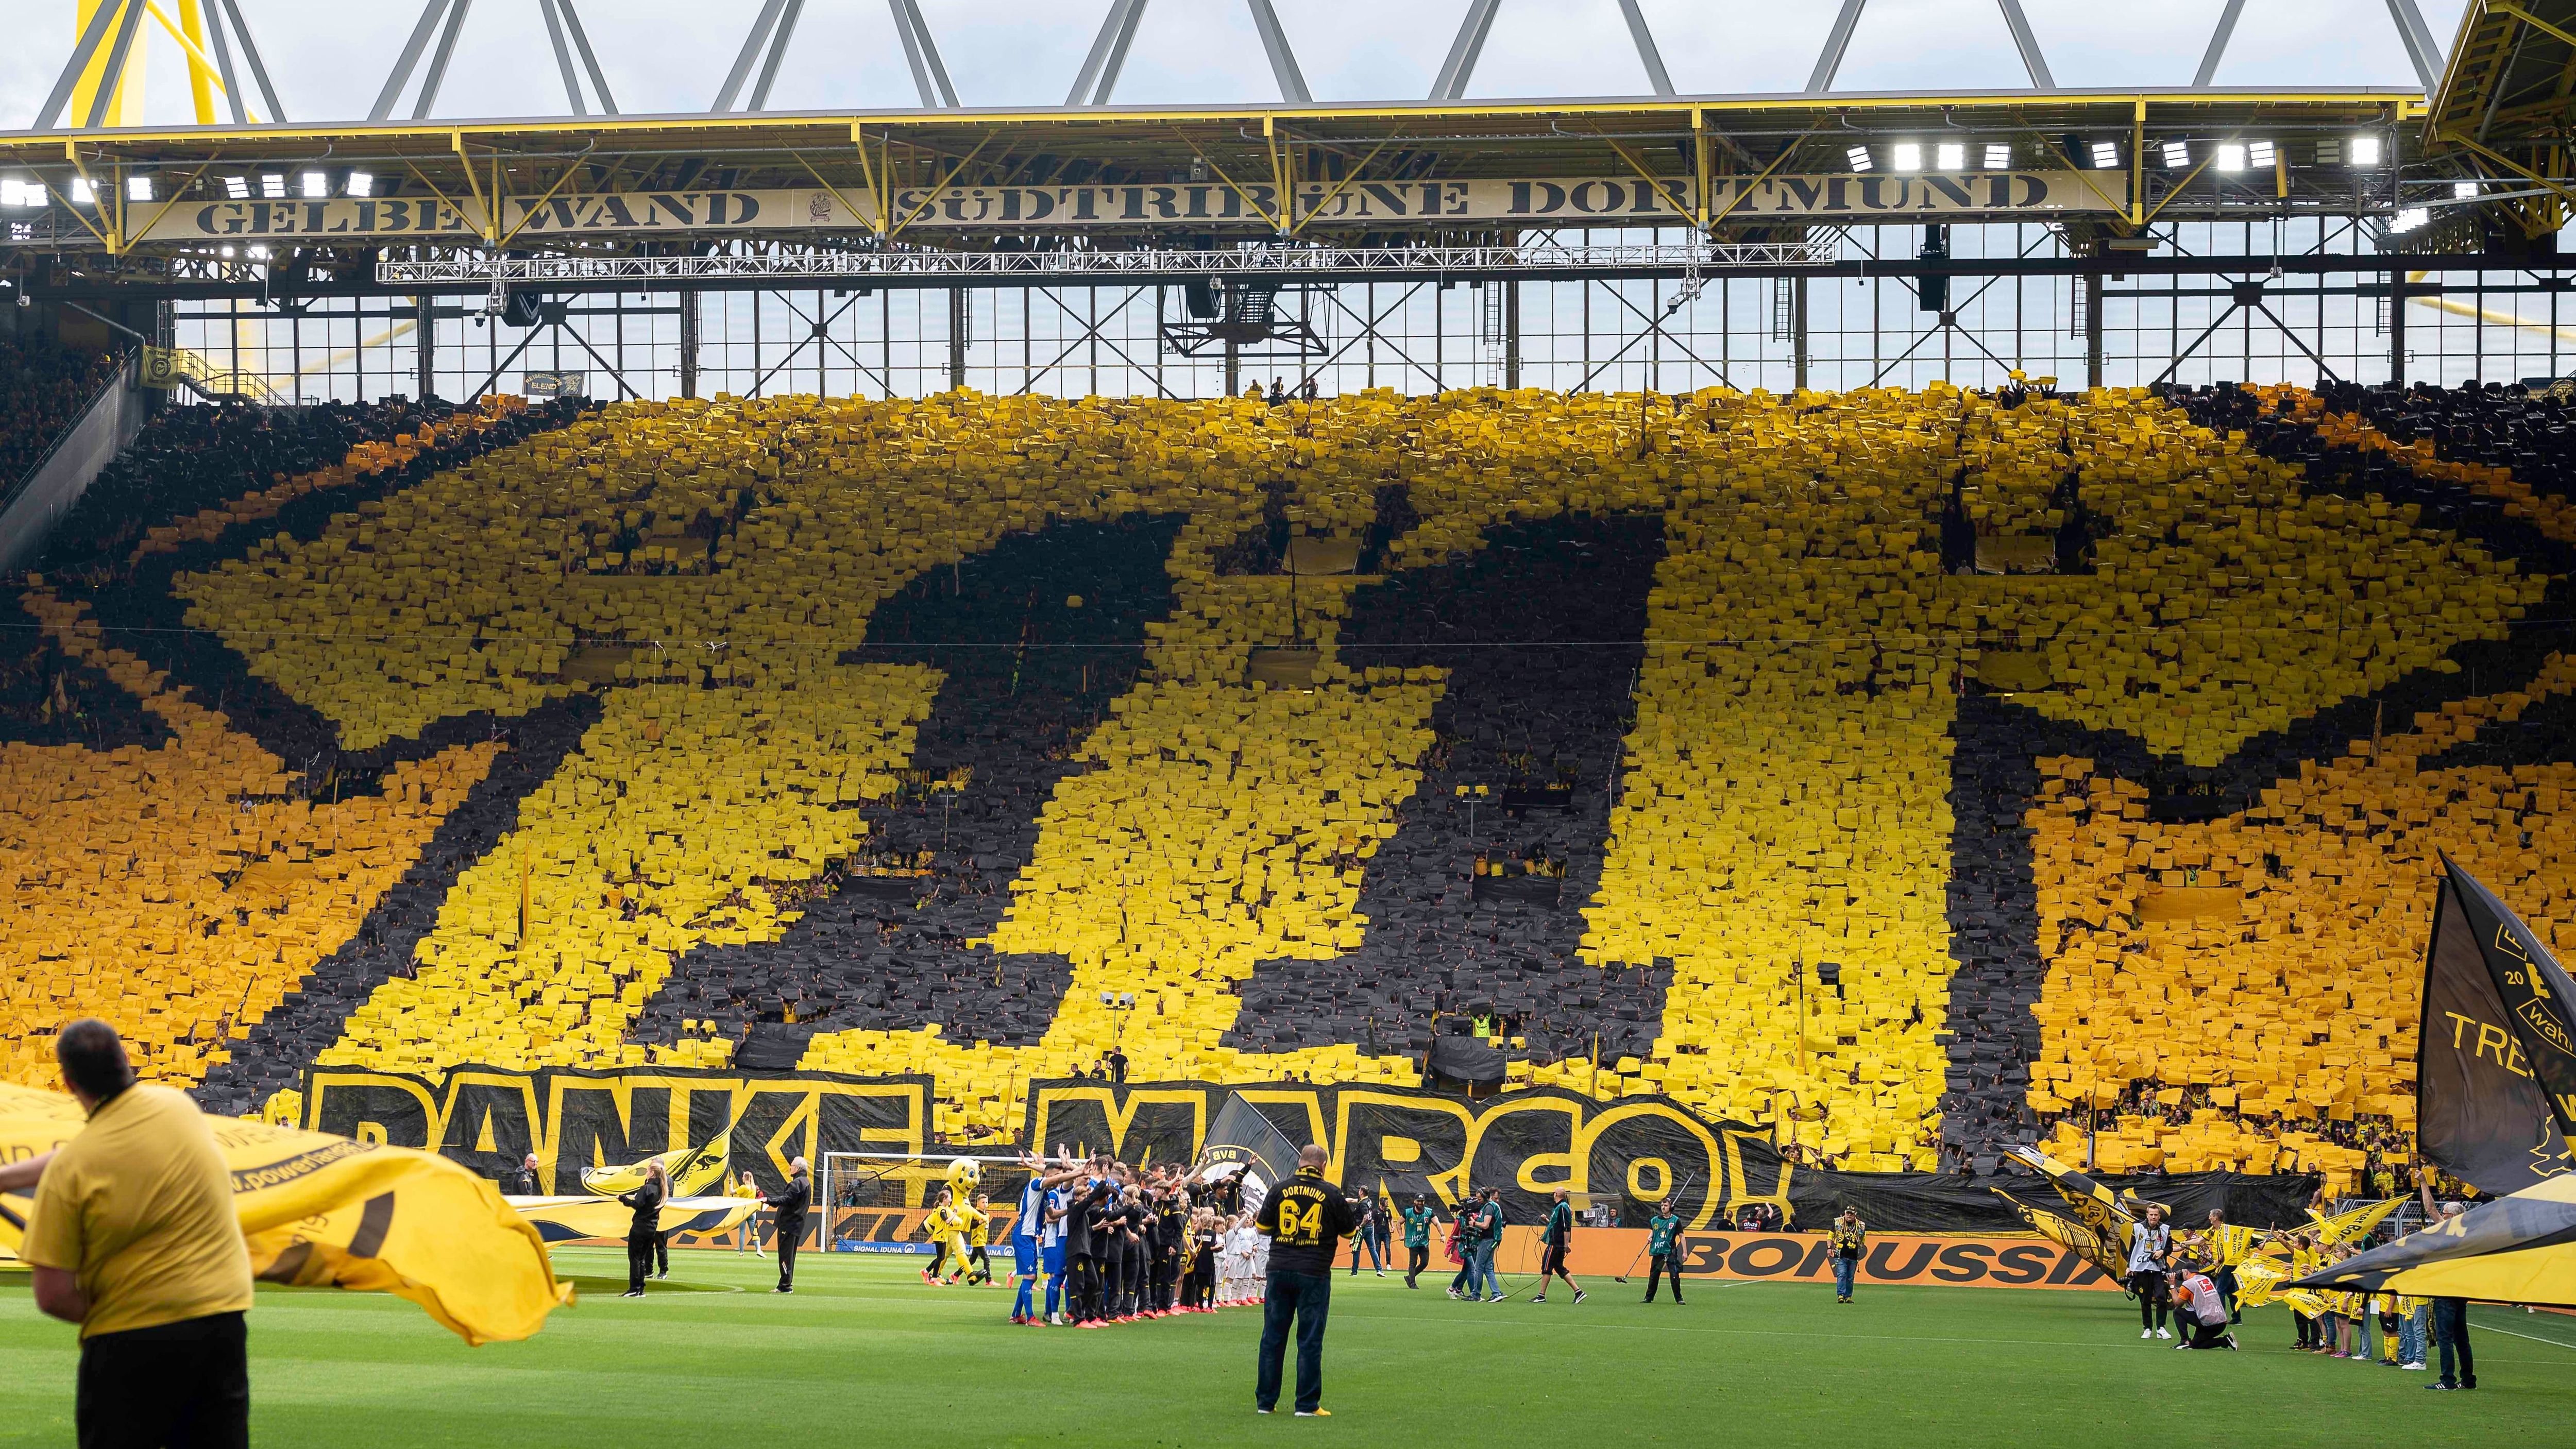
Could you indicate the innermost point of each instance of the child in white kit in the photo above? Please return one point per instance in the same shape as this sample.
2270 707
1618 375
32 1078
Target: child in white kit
1236 1261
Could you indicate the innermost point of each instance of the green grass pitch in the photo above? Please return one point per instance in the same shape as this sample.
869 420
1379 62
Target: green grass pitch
864 1352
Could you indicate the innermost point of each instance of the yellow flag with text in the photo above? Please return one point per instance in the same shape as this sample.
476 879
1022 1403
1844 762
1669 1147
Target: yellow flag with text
318 1209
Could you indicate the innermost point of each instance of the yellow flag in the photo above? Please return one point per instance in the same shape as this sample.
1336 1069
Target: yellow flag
318 1209
2352 1226
570 1219
693 1170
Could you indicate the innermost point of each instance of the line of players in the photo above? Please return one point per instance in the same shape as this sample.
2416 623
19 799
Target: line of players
1115 1244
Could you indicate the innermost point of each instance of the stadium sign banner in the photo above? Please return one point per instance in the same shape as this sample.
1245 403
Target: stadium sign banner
1580 201
490 1118
1895 1259
1395 1141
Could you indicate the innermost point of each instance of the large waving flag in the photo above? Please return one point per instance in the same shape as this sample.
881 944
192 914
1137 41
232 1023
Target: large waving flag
318 1209
2495 1079
693 1171
2517 1249
2355 1224
2093 1246
569 1219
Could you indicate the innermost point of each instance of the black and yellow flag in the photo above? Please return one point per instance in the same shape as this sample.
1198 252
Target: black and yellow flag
2495 1077
2517 1249
323 1210
572 1219
693 1171
2094 1246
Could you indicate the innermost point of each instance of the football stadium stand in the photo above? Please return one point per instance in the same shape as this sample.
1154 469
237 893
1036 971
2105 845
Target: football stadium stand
1915 773
42 391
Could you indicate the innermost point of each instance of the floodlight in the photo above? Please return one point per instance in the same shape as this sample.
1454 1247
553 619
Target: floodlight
2365 151
2409 219
2106 154
272 186
316 185
361 184
2231 155
2177 155
1909 156
138 188
82 193
2260 154
19 191
237 187
1998 156
1953 156
2464 189
1858 156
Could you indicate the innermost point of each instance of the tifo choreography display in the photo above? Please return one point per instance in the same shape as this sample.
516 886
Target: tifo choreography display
1891 777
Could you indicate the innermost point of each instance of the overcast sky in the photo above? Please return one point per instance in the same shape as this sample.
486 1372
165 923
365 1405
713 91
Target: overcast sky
330 57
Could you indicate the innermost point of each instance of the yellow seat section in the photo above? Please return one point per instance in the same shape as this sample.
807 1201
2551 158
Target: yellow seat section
676 822
1786 797
2274 956
181 892
702 566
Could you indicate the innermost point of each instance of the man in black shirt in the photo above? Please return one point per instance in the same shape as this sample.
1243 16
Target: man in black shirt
522 1180
1081 1253
789 1205
1305 1219
1558 1239
644 1229
1171 1226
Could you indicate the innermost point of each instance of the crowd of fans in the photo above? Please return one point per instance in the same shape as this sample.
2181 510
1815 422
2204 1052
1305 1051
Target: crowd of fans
198 456
43 388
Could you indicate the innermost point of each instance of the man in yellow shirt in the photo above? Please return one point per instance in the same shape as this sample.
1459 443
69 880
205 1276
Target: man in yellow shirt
134 1238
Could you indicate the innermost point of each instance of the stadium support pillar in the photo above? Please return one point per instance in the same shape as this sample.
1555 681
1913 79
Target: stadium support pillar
1511 333
1798 333
2093 329
2397 327
1233 369
957 339
689 344
424 332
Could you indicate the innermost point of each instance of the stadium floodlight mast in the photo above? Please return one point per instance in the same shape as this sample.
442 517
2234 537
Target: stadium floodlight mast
1120 1005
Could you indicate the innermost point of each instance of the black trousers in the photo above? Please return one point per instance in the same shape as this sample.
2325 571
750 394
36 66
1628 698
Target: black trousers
2202 1335
2451 1334
1113 1284
1302 1300
1090 1287
1418 1257
981 1263
1139 1260
1198 1286
662 1254
789 1230
2308 1334
639 1259
1167 1278
2150 1288
2225 1281
185 1385
1659 1265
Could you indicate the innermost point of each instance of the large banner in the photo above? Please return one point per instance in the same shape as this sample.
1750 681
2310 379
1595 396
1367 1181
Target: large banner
2480 1113
1577 201
1624 1154
1400 1142
490 1118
